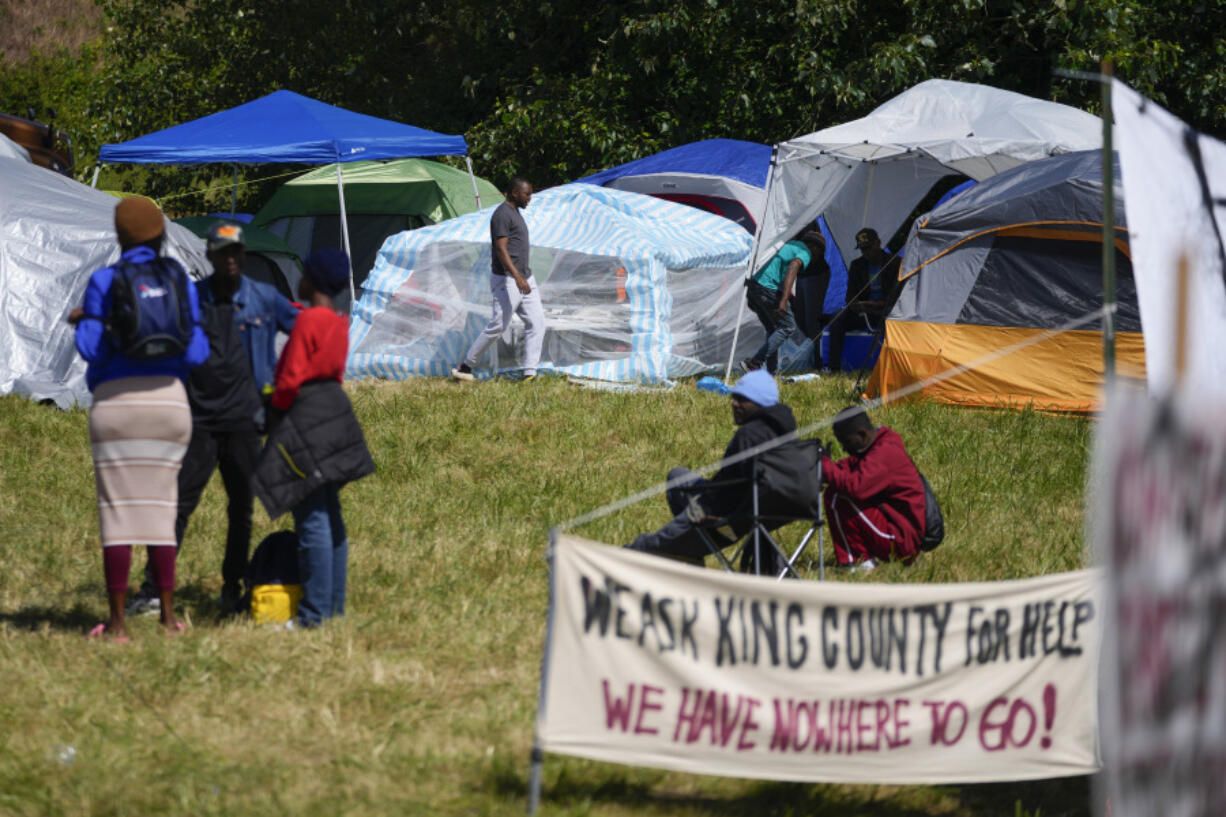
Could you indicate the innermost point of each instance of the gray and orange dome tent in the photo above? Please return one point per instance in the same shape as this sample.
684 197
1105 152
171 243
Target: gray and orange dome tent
1012 259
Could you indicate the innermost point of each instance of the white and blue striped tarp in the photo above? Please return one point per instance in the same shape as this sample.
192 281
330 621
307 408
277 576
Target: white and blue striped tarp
635 289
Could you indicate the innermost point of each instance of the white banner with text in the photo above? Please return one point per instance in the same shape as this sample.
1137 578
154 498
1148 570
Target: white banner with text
651 662
1160 466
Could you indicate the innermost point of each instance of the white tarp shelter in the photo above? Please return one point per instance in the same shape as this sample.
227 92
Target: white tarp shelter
1175 192
11 150
872 172
635 289
54 232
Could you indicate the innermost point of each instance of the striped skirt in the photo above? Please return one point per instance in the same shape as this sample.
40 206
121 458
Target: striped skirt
139 428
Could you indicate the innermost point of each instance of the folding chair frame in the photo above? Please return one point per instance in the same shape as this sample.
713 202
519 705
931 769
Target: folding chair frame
759 531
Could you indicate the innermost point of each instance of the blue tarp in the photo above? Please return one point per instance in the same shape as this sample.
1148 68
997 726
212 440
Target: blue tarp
283 127
746 162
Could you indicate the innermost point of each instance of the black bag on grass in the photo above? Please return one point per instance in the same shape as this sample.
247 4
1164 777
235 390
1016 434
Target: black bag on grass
934 521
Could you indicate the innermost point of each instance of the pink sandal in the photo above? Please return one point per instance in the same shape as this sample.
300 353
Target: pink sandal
176 630
100 630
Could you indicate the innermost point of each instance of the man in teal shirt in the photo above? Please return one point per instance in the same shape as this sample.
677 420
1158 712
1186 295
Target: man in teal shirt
768 292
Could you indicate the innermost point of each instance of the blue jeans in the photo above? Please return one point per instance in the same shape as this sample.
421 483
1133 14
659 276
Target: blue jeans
764 303
323 556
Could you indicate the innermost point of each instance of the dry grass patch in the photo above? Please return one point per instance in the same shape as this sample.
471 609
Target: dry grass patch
28 27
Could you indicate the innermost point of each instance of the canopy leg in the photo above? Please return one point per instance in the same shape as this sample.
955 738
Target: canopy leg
340 192
476 194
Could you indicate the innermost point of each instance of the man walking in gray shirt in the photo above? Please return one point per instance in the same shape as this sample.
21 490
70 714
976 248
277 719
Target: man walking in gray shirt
511 284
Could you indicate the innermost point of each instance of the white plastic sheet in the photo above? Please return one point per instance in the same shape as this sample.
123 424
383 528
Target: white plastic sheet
1175 191
635 289
54 232
871 172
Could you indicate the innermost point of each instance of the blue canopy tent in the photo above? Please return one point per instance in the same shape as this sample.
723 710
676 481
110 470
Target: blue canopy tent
285 127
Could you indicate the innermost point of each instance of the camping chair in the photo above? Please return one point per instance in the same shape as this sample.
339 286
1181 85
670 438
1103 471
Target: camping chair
785 487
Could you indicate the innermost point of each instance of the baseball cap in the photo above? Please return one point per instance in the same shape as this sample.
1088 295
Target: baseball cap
758 387
223 235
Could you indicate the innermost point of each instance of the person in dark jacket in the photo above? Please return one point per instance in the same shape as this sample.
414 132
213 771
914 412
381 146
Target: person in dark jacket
315 445
226 414
872 284
760 417
874 496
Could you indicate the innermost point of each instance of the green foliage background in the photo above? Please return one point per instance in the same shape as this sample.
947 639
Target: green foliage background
558 88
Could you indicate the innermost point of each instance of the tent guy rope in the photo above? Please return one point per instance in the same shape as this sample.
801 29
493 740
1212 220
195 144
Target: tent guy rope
827 422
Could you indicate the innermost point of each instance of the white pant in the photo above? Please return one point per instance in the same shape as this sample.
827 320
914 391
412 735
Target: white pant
508 301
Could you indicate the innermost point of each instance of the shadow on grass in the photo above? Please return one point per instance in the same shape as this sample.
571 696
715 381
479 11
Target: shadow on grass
199 601
1057 797
570 790
34 617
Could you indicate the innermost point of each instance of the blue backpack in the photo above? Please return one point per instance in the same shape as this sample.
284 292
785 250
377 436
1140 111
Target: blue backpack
150 316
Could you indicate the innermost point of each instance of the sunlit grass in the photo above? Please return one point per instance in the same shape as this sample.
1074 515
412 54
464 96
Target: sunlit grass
422 699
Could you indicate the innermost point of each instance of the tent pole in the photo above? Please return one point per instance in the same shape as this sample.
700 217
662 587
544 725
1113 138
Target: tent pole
476 194
94 181
753 266
340 193
234 195
1108 230
538 753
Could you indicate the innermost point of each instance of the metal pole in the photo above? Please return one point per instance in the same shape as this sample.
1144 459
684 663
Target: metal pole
538 753
1108 230
476 194
234 195
757 547
753 265
1181 320
340 192
94 181
821 509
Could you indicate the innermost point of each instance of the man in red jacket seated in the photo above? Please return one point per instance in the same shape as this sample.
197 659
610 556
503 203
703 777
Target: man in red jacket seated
874 497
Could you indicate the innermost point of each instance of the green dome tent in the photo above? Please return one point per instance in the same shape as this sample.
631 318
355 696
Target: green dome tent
381 199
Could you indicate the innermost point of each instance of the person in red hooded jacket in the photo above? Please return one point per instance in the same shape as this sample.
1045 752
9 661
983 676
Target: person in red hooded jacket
874 497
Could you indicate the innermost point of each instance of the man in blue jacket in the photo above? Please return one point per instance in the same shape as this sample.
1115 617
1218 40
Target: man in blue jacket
261 313
228 393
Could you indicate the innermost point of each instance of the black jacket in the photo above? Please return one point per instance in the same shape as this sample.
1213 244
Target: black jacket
790 459
221 390
858 280
317 442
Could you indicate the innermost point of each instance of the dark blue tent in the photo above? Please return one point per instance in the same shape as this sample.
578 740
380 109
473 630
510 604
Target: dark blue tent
722 176
746 162
283 127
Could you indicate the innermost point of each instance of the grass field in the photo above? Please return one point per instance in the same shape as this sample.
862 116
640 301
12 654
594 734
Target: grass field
421 700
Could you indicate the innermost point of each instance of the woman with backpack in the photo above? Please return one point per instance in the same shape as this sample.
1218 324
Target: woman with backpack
138 330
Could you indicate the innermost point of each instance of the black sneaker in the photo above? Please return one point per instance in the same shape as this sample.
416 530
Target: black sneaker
144 602
750 364
462 373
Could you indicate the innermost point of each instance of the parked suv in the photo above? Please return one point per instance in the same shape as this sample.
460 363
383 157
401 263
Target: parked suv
48 147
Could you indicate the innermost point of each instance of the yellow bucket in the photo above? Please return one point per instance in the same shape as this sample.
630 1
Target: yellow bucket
274 603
